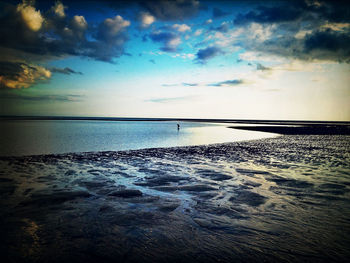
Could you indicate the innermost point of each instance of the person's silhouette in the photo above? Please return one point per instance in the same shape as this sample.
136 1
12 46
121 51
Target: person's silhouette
178 126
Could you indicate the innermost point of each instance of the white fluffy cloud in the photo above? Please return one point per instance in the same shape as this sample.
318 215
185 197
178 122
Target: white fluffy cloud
198 32
146 19
181 28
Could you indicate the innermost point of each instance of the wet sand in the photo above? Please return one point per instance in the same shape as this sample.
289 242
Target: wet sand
283 199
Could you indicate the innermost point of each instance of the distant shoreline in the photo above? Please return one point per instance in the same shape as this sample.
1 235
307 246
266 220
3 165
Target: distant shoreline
300 130
240 121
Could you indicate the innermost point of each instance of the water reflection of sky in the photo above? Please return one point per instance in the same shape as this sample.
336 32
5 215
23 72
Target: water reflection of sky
45 137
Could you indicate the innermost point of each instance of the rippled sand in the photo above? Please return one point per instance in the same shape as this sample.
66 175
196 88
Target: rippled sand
283 199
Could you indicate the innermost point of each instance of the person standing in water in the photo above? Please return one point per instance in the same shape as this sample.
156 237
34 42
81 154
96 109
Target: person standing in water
178 126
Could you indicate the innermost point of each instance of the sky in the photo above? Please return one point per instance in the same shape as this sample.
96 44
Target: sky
286 60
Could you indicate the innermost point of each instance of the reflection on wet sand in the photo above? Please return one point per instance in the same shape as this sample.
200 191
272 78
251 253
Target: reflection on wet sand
279 199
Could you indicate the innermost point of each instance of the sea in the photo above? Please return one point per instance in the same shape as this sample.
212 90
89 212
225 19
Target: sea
35 137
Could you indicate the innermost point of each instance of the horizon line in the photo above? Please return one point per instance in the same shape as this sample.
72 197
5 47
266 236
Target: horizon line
223 120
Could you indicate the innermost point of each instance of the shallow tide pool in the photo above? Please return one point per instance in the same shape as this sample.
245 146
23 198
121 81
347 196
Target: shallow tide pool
19 138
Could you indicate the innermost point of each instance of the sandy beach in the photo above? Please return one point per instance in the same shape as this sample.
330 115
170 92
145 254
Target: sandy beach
282 199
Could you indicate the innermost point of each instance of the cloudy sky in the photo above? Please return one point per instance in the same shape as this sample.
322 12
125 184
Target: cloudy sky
185 58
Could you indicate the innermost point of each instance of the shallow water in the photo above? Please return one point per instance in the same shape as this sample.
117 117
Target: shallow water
19 138
283 199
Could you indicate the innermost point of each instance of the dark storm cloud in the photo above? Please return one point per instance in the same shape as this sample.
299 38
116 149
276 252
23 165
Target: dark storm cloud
306 30
66 71
332 11
217 13
170 40
287 11
168 10
328 44
321 44
207 53
274 14
234 82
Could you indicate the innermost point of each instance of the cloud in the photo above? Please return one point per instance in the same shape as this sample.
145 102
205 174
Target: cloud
261 67
335 26
31 17
328 44
108 42
111 29
181 84
198 32
190 84
43 36
234 82
304 30
58 9
66 71
45 97
169 99
226 83
318 45
274 14
169 36
207 53
168 10
111 39
170 85
209 21
181 28
217 13
146 19
331 11
170 40
16 75
79 23
183 55
223 28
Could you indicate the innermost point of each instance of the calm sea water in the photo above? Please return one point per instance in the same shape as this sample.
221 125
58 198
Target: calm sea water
32 137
